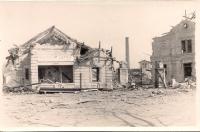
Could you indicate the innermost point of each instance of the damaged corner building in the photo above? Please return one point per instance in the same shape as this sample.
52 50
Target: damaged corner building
54 60
176 51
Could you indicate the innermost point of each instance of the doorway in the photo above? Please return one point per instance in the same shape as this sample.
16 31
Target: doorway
187 70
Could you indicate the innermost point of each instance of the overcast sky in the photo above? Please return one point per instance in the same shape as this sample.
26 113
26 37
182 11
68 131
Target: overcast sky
90 22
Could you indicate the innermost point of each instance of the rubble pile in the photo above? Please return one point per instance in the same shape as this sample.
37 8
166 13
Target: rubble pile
188 84
116 84
20 89
158 92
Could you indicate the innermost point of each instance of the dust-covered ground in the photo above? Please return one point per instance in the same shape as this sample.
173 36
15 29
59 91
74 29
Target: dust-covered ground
170 107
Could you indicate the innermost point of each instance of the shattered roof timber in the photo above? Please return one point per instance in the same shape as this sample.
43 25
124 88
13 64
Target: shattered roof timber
51 31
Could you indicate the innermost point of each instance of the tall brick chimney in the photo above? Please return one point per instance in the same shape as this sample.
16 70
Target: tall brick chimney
127 52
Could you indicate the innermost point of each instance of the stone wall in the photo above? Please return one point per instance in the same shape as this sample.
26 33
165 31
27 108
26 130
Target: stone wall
168 49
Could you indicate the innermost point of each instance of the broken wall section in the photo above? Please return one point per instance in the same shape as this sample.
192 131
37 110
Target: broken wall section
16 72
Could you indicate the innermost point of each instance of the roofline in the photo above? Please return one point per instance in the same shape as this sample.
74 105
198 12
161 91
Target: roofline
144 60
49 30
167 33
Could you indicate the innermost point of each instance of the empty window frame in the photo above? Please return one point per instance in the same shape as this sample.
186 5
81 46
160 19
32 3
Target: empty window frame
95 74
27 74
67 74
183 46
187 69
62 74
186 46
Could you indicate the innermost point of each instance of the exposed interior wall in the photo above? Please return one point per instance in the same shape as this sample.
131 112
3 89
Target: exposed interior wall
61 73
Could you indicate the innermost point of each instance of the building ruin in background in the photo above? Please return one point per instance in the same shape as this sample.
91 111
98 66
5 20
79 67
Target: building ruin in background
142 75
176 50
146 72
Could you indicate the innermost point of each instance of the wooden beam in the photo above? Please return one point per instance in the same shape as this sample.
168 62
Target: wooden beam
165 85
80 80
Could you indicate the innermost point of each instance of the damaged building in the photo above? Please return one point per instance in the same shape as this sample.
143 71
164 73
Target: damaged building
52 59
176 51
146 71
142 75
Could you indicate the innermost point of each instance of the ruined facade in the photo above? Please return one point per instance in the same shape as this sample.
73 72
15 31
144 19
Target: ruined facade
176 50
57 61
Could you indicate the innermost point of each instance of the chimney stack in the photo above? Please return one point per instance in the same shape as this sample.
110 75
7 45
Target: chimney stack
127 52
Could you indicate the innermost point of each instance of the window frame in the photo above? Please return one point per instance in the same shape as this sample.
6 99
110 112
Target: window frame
189 44
187 65
183 46
186 46
27 74
97 78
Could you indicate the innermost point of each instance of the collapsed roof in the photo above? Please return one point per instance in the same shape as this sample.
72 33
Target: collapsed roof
54 36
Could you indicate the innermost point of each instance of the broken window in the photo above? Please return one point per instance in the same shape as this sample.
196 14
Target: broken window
95 74
27 74
67 74
84 50
186 46
187 69
183 46
62 74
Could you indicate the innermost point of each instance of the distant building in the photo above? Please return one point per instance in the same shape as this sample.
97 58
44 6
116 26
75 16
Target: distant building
141 75
145 65
146 68
176 50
